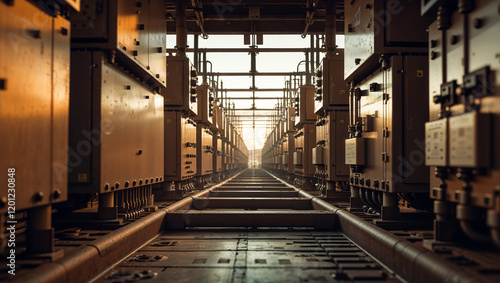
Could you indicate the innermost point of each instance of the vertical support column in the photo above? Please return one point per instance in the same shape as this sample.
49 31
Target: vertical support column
308 74
253 66
40 235
331 26
205 78
181 28
317 51
195 55
390 209
445 225
107 209
312 54
355 200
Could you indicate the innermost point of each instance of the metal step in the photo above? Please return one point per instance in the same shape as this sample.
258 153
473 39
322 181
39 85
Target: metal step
252 203
317 219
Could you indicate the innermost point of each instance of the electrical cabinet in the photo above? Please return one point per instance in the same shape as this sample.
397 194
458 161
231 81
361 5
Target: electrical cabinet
304 105
290 122
278 152
331 89
375 28
181 91
34 105
205 113
394 141
204 150
180 146
134 33
289 150
329 152
464 107
221 121
108 107
305 140
217 138
218 153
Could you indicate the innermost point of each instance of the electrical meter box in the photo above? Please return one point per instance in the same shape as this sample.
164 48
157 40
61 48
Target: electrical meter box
436 143
181 91
318 155
470 140
355 151
331 90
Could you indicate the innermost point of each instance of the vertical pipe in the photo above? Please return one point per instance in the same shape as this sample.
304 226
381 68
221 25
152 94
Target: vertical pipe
253 66
317 50
195 55
308 74
331 26
180 27
205 68
312 54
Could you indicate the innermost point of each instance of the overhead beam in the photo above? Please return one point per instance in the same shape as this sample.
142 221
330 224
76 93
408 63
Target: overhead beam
251 49
264 74
252 89
264 27
256 98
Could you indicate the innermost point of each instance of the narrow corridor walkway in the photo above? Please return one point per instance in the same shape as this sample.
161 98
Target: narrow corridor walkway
253 228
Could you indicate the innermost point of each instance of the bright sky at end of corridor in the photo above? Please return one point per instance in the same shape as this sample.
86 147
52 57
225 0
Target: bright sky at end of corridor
266 62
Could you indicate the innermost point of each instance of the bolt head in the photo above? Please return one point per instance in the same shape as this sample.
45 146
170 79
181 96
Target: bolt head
57 194
39 196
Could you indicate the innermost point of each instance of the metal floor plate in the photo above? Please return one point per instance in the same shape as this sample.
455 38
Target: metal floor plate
250 256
